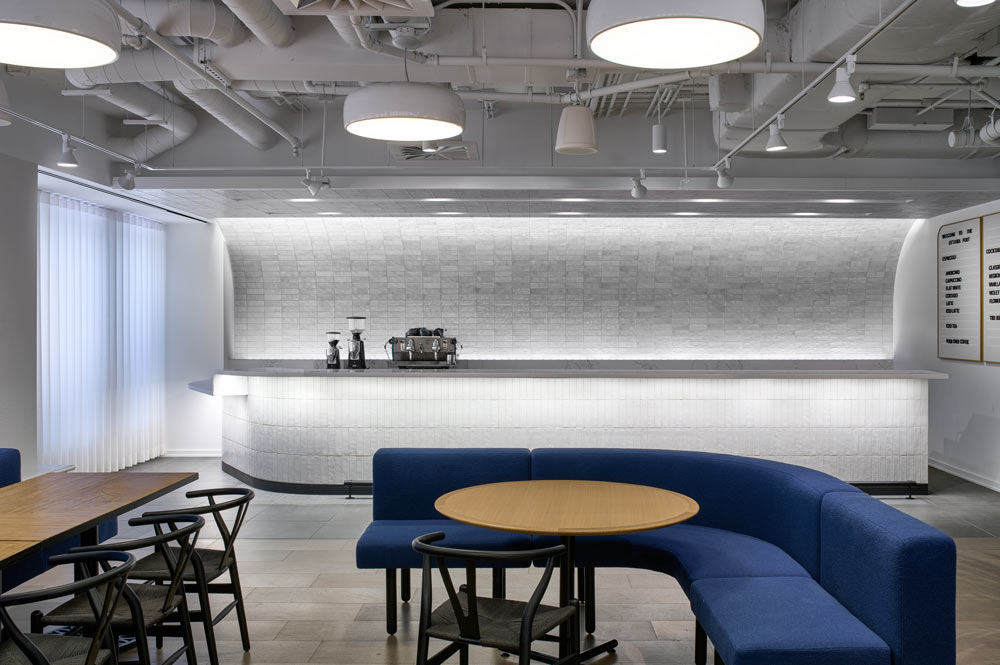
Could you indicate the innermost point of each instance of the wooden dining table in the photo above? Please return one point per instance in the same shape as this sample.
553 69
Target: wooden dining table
47 509
568 509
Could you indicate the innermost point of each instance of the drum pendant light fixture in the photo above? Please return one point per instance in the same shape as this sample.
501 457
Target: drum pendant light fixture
58 34
674 34
576 134
404 112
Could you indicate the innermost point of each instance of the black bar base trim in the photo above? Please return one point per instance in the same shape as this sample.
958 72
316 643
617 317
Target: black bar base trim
894 489
352 488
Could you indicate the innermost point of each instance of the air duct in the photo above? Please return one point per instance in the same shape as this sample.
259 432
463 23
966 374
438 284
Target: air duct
265 21
230 114
174 123
205 19
855 140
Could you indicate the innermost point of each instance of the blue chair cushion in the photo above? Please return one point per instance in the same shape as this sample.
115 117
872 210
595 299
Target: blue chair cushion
686 552
10 466
407 481
782 621
387 543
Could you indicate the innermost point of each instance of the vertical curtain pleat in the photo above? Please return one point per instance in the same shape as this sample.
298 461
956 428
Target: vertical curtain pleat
101 326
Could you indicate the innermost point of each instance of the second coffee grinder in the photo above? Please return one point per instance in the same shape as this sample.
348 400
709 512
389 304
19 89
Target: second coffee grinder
355 345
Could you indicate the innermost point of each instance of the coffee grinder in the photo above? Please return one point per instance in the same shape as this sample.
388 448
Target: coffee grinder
332 350
355 345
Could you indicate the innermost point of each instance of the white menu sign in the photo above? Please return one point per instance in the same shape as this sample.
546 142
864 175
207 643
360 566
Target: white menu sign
959 288
991 288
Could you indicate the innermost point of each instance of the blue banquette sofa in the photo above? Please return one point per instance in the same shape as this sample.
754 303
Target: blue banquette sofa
782 565
38 563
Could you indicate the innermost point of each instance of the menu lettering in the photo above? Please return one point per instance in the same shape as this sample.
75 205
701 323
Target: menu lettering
961 302
991 288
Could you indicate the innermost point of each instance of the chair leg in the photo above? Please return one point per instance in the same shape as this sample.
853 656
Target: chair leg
241 610
700 644
404 584
208 621
36 621
185 618
390 601
499 582
141 645
590 611
463 655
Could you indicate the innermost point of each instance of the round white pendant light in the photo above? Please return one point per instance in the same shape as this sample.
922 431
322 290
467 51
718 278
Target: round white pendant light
404 112
678 34
974 3
576 134
58 34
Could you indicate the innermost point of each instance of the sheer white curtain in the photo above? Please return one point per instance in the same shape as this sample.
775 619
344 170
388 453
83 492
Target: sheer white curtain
100 335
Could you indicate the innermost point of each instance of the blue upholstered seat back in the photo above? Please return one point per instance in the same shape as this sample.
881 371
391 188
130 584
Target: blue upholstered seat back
772 501
407 481
10 466
895 573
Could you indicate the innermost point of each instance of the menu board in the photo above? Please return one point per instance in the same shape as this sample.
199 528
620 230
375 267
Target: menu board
960 303
991 288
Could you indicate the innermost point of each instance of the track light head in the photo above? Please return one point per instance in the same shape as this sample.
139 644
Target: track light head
725 179
68 158
776 143
639 190
842 92
127 180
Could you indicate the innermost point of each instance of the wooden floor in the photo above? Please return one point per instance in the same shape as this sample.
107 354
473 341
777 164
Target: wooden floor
309 604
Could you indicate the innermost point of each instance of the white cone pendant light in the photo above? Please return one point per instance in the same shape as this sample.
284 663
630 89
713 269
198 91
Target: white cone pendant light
58 34
674 34
404 112
577 134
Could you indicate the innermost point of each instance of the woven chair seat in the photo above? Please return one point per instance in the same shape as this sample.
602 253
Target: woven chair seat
77 612
499 621
153 567
57 649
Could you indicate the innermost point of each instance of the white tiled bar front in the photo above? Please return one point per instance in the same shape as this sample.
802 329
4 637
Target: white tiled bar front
311 428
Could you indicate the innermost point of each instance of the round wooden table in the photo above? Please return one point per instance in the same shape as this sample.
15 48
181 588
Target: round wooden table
567 508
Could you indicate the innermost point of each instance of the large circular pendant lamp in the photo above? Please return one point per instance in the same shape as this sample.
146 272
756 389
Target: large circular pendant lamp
674 34
404 112
58 34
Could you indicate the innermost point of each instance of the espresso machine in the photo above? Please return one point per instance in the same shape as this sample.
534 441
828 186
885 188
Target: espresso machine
332 350
355 345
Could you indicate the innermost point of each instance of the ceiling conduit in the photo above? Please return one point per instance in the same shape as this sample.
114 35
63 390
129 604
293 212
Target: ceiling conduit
205 19
230 114
854 139
265 21
175 124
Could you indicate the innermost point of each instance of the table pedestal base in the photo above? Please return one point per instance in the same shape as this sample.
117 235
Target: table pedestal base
567 592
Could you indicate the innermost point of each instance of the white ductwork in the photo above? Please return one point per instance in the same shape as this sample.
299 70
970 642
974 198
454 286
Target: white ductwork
342 24
174 123
854 139
265 21
230 114
205 19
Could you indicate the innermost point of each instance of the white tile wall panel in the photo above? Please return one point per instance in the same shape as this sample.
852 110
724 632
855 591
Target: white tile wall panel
325 430
558 288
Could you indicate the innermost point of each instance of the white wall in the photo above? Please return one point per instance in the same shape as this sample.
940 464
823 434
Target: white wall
964 410
194 338
18 277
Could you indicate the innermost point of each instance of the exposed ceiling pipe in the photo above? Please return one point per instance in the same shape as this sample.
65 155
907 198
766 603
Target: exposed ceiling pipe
265 21
174 123
342 24
205 19
230 114
187 64
858 142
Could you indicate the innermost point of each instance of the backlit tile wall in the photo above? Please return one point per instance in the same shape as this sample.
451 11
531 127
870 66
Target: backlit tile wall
582 288
325 430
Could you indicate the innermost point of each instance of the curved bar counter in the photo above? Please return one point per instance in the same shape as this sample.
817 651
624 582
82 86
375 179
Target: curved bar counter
292 426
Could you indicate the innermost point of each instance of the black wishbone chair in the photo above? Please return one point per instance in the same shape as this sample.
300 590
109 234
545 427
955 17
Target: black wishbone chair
101 593
145 606
207 565
466 619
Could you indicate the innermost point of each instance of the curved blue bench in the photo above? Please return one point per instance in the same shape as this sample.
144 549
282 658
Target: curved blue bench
38 563
405 484
782 564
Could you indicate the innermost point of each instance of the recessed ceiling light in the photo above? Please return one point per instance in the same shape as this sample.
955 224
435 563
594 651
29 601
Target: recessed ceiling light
841 201
438 200
448 212
303 200
807 214
653 34
686 214
708 200
574 200
404 112
329 213
568 212
59 35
